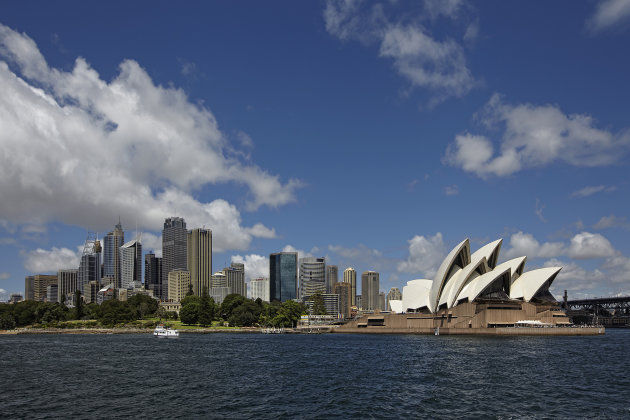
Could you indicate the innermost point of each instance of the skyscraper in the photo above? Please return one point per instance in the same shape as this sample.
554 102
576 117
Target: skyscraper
199 256
350 276
40 285
174 244
235 276
153 274
332 277
111 254
283 276
90 263
312 276
343 290
259 288
369 290
67 284
131 264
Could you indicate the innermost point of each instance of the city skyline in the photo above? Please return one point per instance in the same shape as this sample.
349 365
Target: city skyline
422 123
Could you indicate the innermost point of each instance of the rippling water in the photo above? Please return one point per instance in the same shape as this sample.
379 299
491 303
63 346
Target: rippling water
314 376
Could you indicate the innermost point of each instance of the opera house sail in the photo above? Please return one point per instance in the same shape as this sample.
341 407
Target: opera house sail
473 293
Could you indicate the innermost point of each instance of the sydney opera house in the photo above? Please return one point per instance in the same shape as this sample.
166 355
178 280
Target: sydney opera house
471 294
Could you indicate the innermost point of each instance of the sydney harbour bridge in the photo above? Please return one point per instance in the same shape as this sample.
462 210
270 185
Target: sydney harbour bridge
607 311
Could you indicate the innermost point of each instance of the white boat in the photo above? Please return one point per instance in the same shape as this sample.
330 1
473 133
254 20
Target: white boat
162 331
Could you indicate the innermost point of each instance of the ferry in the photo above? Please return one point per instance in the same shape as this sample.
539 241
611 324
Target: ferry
162 331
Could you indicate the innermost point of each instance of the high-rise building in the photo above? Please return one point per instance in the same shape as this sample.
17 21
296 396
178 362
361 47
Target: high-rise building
382 301
358 300
369 290
174 244
350 276
39 284
283 276
90 263
312 276
345 302
29 288
331 303
131 264
67 284
394 294
199 254
259 288
153 274
235 276
332 277
219 289
111 254
178 284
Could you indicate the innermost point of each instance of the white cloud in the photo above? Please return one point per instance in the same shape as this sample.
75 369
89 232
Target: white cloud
451 190
301 253
609 13
439 65
524 244
538 210
255 265
79 149
612 221
574 278
587 245
590 190
425 255
151 242
5 276
4 295
534 136
45 261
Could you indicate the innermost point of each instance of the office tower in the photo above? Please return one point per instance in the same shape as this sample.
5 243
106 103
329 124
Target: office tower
90 263
394 294
153 274
235 276
131 264
312 276
345 302
29 288
332 277
259 288
219 289
358 300
283 276
369 290
40 283
382 301
111 254
91 291
178 284
350 276
67 284
331 303
174 244
199 255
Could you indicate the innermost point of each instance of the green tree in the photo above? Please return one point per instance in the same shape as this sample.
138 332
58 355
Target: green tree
7 322
206 309
246 314
189 313
78 305
190 291
144 305
231 302
318 307
114 311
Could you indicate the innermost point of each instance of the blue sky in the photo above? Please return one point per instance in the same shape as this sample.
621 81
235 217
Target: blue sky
376 134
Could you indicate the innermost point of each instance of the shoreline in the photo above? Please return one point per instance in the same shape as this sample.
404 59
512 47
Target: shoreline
45 331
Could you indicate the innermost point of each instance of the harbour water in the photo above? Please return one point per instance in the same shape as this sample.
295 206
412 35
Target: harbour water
314 376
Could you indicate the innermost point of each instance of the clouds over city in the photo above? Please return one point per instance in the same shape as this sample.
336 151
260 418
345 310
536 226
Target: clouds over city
423 60
82 150
533 136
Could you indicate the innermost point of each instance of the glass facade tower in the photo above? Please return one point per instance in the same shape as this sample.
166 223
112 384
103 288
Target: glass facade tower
283 276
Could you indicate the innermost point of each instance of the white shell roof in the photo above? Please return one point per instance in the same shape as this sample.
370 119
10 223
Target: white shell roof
514 265
396 305
487 251
416 294
440 277
464 277
481 283
529 283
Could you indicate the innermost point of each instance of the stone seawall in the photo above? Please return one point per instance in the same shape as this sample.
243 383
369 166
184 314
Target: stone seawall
476 331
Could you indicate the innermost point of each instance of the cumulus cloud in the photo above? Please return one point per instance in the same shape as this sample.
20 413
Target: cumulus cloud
590 190
439 65
425 255
46 261
609 14
574 278
79 149
255 265
151 242
534 136
587 245
524 244
612 221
